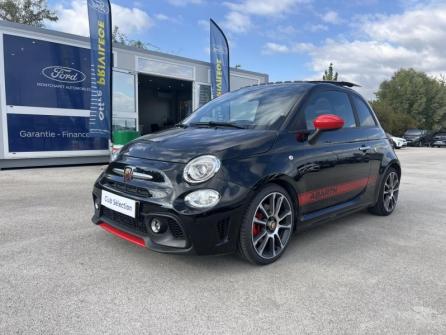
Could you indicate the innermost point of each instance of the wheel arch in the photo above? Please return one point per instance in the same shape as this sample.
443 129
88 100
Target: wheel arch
392 164
286 183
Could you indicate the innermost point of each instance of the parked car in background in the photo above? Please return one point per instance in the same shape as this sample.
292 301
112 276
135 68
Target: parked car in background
416 137
397 142
439 139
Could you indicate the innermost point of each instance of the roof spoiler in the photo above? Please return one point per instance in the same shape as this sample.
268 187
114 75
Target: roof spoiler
339 83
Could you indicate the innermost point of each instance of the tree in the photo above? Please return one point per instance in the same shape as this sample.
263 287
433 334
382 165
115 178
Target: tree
32 12
395 123
120 37
414 99
330 74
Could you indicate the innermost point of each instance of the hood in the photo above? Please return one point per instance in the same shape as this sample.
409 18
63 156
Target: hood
181 145
398 138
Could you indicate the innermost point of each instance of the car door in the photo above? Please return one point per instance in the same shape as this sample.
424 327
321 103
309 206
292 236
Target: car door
378 141
333 169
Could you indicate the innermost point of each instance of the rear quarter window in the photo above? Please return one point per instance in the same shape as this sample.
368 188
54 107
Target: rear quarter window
364 113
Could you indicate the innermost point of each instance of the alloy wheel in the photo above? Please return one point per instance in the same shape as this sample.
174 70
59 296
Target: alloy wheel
391 190
272 225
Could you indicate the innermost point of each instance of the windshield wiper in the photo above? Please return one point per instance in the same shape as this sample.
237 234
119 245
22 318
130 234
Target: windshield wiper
217 124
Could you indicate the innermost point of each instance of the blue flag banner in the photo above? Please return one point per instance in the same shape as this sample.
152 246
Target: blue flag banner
219 61
99 16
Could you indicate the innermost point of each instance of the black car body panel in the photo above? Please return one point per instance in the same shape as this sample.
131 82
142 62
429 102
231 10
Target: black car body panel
439 139
173 145
337 174
415 137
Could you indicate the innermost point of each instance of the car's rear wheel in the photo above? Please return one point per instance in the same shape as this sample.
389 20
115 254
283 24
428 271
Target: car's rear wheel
267 226
388 194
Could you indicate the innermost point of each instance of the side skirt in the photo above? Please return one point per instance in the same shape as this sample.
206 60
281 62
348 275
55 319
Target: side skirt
331 213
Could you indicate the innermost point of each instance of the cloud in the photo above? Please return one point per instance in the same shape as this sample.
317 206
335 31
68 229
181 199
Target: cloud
237 23
331 17
286 30
161 17
314 28
277 48
204 24
272 47
182 3
165 18
386 43
239 20
264 7
74 19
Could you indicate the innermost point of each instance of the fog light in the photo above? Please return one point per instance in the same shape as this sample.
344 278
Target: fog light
202 198
156 225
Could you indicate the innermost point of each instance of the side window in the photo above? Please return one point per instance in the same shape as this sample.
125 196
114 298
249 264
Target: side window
329 102
364 114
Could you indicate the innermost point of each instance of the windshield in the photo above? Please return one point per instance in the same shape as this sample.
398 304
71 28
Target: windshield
255 107
413 132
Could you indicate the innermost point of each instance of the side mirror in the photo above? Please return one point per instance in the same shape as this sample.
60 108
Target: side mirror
325 122
328 122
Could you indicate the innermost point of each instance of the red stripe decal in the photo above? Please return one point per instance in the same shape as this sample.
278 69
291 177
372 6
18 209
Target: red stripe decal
122 234
325 193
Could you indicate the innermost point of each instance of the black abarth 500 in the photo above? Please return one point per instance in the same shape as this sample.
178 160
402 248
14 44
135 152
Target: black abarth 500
248 169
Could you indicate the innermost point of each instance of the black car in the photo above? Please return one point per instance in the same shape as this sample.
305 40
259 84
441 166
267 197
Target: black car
416 137
439 139
248 169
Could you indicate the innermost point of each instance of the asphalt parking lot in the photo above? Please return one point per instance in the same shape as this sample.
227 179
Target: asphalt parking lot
363 274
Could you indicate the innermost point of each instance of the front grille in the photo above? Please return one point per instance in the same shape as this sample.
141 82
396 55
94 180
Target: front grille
126 188
175 228
155 176
124 220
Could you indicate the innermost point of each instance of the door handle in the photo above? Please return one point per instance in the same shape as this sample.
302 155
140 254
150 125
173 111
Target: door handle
365 148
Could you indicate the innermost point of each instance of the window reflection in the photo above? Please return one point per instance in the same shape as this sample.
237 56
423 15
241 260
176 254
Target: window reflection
124 124
123 93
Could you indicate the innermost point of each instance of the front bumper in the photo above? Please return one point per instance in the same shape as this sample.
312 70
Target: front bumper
413 141
214 231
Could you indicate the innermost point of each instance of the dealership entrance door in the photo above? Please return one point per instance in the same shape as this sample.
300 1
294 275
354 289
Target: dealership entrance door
162 102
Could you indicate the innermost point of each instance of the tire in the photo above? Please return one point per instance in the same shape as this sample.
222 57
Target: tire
264 235
388 194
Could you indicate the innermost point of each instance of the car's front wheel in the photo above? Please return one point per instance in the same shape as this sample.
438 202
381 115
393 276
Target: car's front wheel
267 226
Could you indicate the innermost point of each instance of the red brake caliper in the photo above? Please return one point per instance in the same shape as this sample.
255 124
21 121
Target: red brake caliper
256 228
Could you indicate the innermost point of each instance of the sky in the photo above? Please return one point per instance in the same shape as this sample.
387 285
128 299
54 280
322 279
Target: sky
366 40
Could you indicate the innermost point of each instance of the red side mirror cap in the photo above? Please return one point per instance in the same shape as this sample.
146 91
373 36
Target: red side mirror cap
328 122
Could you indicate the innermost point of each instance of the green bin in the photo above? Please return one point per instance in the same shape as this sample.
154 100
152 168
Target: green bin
121 138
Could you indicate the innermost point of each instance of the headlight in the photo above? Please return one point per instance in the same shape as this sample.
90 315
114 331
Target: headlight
202 198
116 149
201 169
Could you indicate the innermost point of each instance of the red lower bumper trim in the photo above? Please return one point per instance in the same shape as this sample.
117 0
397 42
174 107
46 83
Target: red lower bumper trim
122 234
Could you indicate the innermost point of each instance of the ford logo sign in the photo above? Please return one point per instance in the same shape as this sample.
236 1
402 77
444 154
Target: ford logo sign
64 74
98 5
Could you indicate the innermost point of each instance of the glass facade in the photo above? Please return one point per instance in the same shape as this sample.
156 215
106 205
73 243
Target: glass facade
124 101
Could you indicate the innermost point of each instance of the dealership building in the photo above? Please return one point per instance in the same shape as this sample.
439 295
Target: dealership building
45 95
